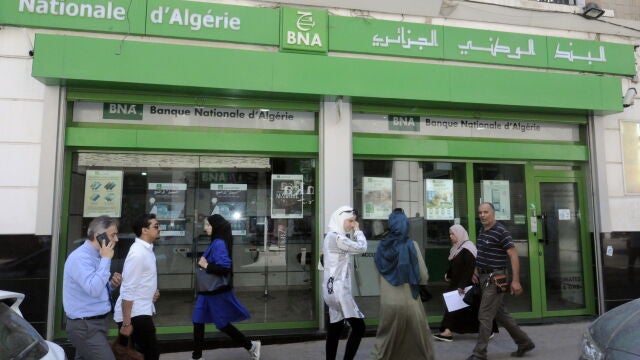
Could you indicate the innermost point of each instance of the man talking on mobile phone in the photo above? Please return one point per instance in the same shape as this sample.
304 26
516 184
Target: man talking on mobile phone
86 290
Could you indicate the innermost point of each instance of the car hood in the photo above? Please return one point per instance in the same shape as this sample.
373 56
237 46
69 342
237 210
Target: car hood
619 328
55 352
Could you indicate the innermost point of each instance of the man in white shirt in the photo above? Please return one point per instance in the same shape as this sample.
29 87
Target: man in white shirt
139 290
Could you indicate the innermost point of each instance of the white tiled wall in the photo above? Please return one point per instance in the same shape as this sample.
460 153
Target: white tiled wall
21 114
618 211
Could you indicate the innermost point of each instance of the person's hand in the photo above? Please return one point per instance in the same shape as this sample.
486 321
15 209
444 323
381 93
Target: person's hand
356 226
460 291
116 280
203 262
126 330
516 288
106 251
156 295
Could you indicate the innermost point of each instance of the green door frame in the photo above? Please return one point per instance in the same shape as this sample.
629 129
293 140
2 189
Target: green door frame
534 178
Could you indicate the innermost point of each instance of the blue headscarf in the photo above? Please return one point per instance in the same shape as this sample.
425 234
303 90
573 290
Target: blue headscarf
396 257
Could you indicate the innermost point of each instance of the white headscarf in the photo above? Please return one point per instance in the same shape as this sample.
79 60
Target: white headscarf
463 242
336 223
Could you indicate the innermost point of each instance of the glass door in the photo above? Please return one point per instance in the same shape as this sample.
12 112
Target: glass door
560 230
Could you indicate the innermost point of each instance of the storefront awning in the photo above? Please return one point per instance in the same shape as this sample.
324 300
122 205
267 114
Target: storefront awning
91 62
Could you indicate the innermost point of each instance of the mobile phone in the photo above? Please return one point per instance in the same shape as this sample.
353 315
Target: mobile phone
102 237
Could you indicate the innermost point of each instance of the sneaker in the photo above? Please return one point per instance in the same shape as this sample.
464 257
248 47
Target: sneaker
522 349
441 337
254 353
492 335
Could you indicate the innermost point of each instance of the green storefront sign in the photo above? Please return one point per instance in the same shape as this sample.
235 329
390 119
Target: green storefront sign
404 123
214 22
122 111
313 30
304 30
395 38
114 16
383 37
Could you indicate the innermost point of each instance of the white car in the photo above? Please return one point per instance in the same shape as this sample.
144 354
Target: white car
18 339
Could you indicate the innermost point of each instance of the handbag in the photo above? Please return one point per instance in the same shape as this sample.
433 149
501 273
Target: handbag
125 352
208 282
502 283
473 296
425 294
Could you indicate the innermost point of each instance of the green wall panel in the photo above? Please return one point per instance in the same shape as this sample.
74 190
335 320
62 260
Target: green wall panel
76 60
162 139
367 145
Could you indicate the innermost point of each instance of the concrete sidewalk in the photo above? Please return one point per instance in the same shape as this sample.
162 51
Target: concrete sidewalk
553 342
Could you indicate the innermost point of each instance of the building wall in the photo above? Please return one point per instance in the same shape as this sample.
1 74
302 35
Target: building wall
25 258
21 115
624 9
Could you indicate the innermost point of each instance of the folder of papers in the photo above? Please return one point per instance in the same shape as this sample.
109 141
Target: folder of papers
453 299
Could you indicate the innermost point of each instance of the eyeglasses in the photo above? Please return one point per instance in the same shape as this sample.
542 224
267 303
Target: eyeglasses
352 211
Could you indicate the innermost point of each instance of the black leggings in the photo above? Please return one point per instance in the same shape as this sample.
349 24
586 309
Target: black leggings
229 329
334 330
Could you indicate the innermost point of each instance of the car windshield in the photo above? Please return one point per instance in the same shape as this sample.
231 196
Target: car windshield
18 339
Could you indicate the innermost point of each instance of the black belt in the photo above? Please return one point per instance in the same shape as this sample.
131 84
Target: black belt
92 317
489 271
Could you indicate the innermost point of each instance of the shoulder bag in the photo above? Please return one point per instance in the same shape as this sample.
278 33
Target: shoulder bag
208 282
425 294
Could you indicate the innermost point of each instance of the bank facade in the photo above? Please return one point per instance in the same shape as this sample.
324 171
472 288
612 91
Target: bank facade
273 116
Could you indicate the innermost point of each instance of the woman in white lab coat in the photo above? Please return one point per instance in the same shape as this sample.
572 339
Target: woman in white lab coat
343 239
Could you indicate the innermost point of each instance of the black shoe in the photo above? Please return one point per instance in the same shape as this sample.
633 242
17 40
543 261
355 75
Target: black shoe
441 337
522 349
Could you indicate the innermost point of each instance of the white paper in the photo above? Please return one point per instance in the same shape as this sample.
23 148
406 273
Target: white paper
453 299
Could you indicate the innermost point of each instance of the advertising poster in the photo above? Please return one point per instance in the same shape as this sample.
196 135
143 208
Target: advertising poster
376 197
286 196
496 192
230 201
167 201
439 199
103 193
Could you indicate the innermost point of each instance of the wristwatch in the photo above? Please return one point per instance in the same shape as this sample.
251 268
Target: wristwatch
125 325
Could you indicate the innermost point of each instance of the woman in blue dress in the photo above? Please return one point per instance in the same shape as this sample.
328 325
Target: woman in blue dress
220 306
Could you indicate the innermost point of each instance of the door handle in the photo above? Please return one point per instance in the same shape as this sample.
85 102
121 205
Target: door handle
545 230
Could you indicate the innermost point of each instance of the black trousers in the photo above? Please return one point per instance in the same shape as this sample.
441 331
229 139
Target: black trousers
229 329
144 336
334 330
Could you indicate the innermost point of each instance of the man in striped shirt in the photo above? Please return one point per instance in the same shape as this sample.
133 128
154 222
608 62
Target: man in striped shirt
495 247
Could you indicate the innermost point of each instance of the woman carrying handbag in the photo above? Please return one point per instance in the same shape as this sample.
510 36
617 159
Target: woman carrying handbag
220 305
462 263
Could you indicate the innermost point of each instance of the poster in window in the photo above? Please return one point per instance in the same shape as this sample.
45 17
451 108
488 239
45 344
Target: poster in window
286 196
376 197
439 199
167 201
230 201
496 192
103 193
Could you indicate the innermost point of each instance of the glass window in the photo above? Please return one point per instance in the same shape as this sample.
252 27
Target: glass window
272 255
432 194
630 132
